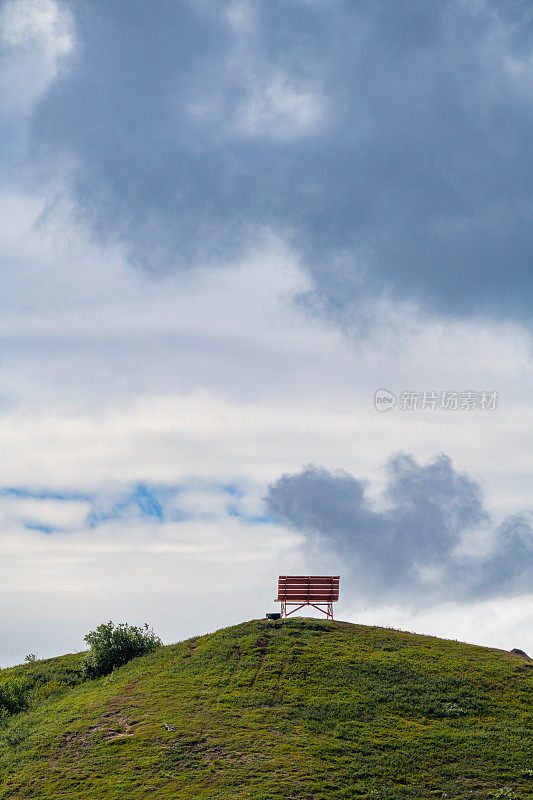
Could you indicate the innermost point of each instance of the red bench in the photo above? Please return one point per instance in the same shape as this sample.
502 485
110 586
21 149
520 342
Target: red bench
308 590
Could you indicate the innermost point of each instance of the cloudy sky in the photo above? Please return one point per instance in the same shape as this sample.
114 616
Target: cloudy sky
224 225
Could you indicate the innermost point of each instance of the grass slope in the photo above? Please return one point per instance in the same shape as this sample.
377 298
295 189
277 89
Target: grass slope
300 708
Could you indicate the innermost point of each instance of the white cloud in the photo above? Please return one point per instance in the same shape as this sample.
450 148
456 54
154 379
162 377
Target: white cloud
41 23
47 512
206 503
277 106
505 623
181 577
255 97
36 36
241 16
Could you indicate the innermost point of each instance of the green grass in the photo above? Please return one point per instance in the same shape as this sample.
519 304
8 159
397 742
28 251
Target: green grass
300 708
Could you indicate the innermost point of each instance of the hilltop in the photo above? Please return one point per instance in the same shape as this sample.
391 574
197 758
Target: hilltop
300 708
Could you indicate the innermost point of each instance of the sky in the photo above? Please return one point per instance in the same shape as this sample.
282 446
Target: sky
224 227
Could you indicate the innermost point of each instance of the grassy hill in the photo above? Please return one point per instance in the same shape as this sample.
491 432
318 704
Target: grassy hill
300 708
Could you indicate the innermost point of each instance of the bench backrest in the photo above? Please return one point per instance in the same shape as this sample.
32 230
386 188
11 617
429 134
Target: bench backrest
308 588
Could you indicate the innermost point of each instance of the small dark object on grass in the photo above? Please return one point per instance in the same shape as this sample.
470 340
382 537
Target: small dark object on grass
518 652
274 615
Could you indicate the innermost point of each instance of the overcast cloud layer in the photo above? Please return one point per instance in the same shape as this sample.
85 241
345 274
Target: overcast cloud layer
223 227
389 140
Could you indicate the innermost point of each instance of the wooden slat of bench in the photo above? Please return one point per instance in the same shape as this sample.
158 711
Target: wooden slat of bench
309 577
309 584
304 590
321 587
299 584
312 596
307 581
308 588
305 599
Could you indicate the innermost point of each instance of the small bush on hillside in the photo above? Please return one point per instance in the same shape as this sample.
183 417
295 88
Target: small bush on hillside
114 645
13 697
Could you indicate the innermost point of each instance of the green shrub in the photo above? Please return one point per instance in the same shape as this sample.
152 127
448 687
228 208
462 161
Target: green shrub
39 681
13 696
114 645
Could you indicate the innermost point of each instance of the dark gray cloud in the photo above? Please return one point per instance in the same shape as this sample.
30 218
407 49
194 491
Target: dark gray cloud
189 125
413 545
